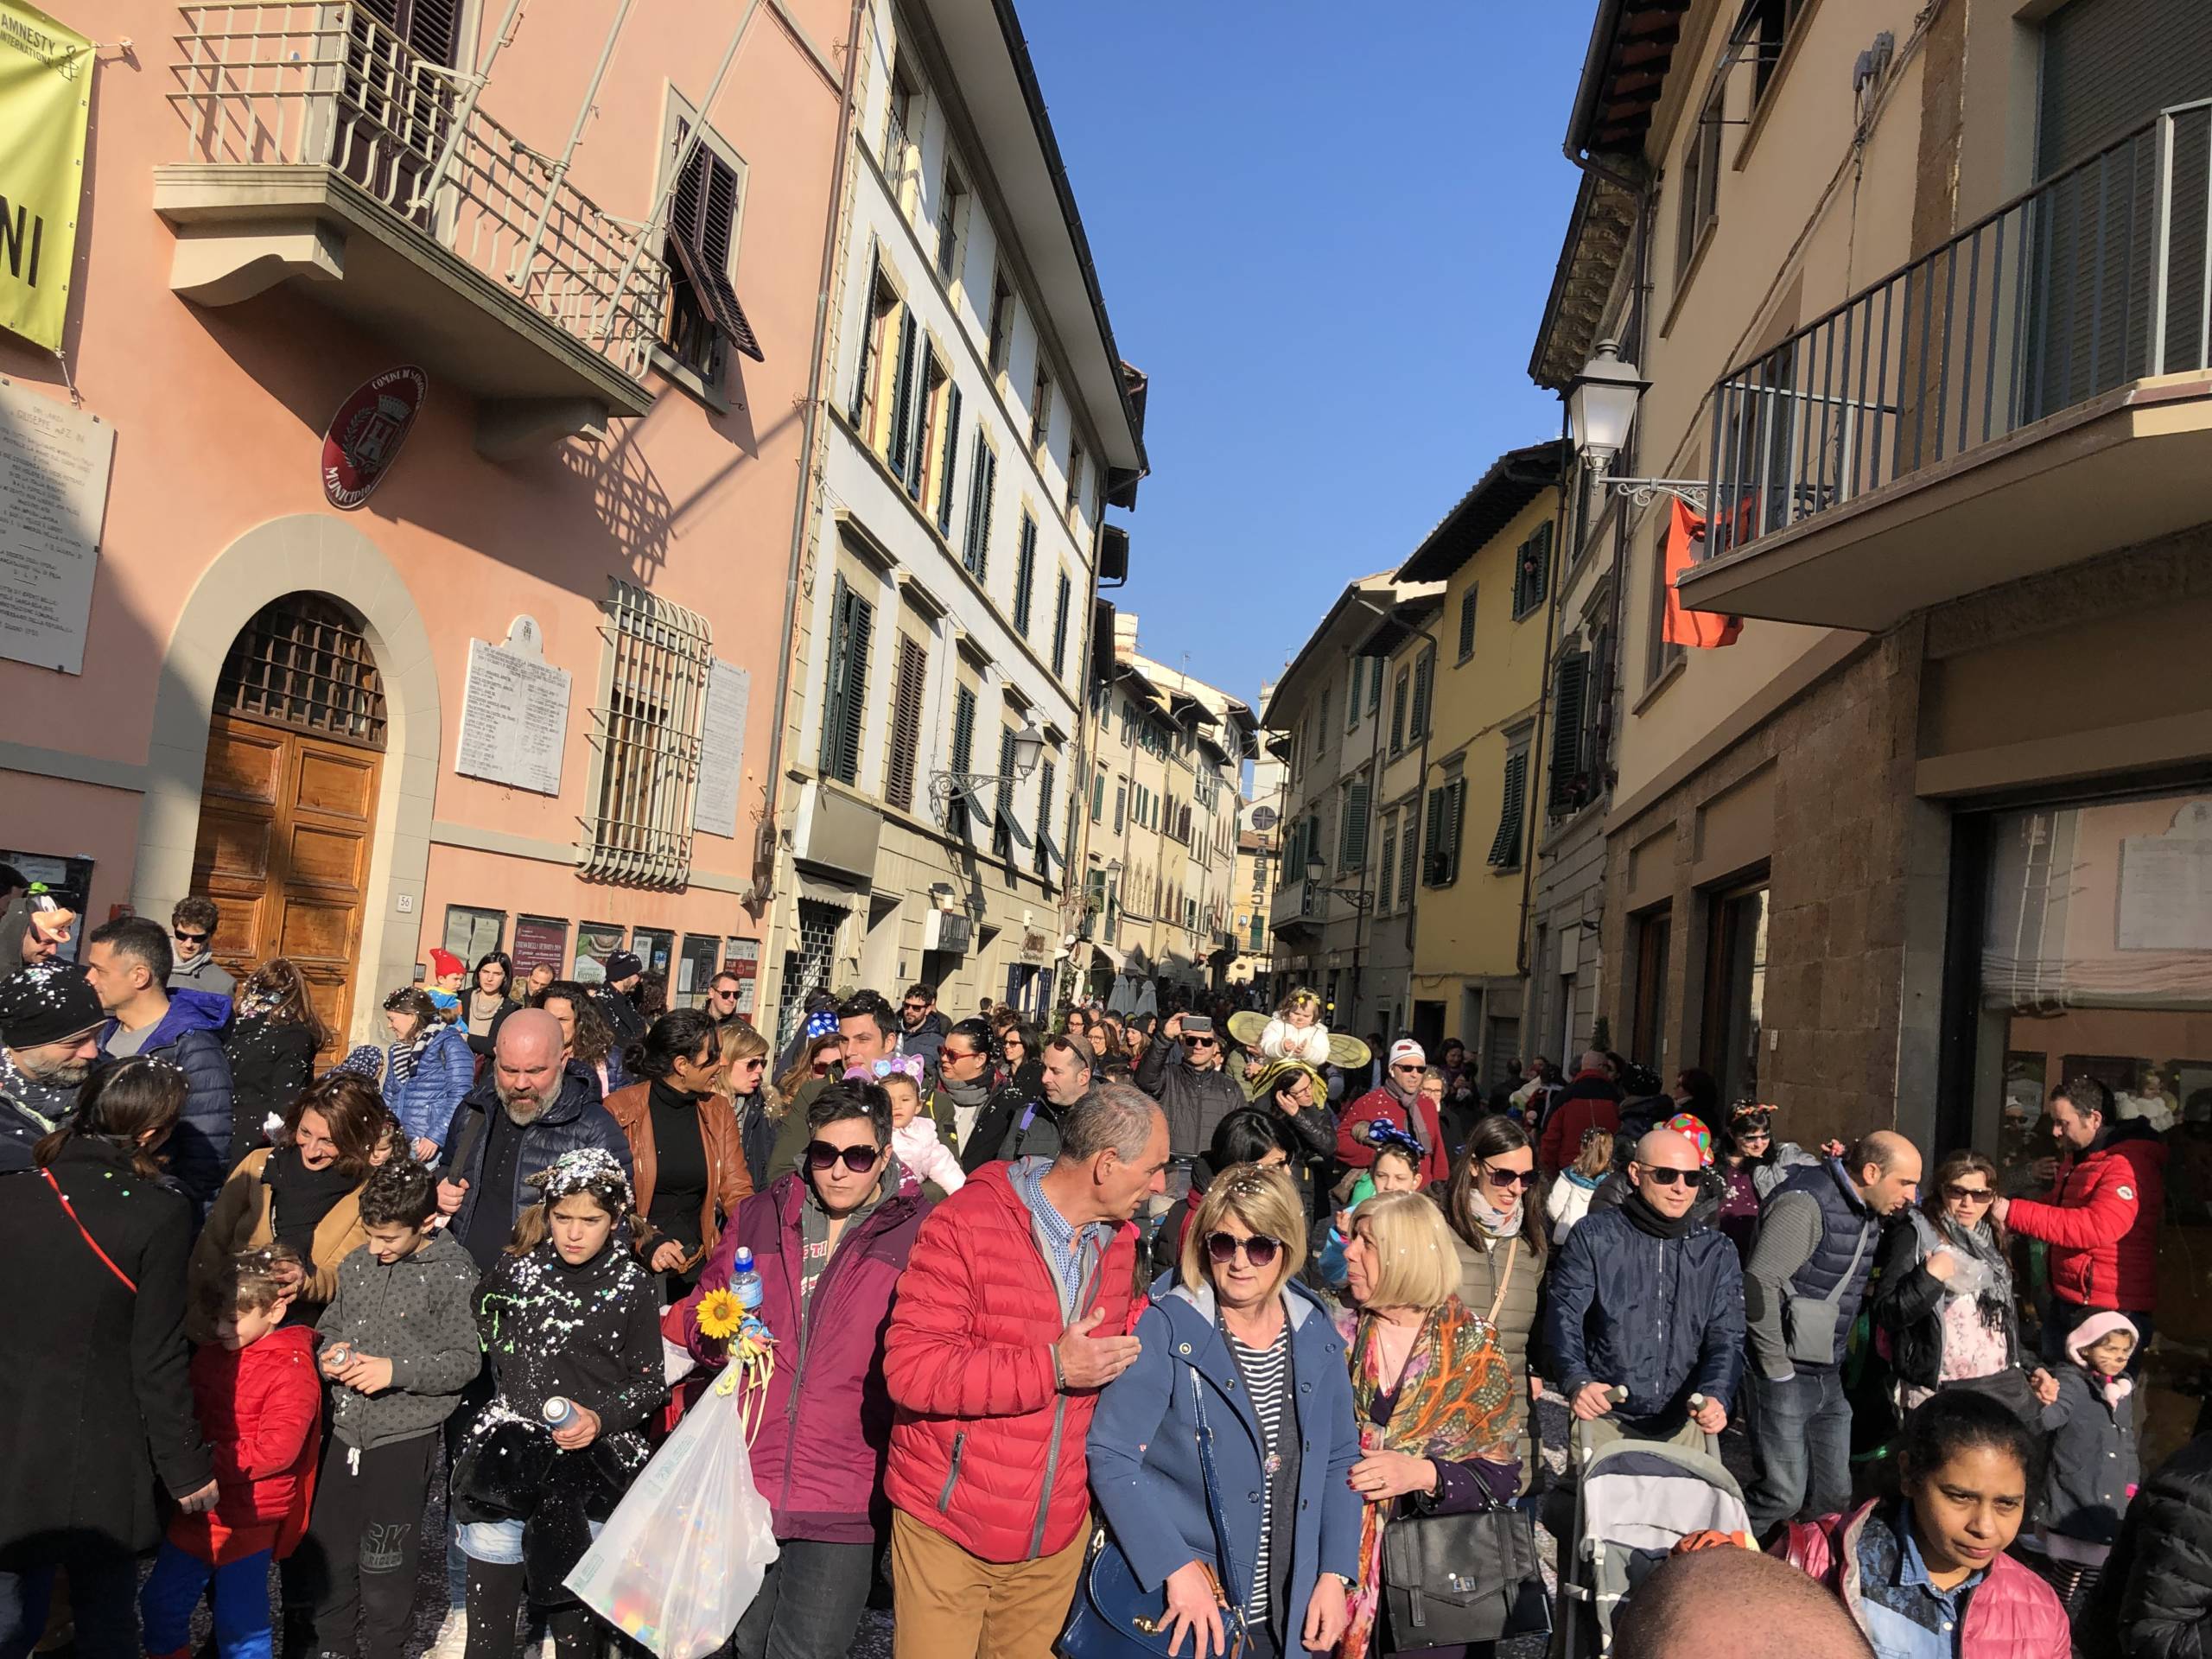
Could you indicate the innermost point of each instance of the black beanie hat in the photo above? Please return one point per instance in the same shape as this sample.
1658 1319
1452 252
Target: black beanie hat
46 1003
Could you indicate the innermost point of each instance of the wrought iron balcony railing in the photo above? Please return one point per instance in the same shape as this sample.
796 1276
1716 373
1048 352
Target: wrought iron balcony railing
2099 277
277 83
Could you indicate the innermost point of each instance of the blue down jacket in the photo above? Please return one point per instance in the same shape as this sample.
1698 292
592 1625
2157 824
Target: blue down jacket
444 1072
1662 1317
190 1038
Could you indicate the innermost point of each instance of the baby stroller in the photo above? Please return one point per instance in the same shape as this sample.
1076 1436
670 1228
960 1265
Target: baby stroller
1637 1501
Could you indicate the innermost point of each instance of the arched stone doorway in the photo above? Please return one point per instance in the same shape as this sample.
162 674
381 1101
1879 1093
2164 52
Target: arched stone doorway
287 800
317 554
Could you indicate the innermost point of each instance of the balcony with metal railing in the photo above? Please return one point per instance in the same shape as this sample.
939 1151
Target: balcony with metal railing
323 150
1299 910
2034 392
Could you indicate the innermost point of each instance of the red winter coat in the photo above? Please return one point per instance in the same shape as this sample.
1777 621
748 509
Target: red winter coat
1590 1101
2014 1615
261 1408
984 1446
819 1456
1382 1103
2101 1221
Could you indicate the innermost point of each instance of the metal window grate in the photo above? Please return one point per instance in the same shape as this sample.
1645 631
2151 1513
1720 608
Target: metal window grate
648 734
807 969
301 661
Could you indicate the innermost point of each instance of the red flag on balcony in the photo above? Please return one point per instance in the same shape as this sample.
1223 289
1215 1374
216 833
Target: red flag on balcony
1700 628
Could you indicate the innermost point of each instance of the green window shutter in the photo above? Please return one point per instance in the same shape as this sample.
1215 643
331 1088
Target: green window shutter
1424 690
1042 862
1351 853
855 709
1002 812
1025 574
1060 628
1569 711
1432 839
951 465
981 488
1467 623
964 757
902 400
1390 872
833 690
1455 814
1505 847
858 407
1398 714
1408 851
1351 704
1533 573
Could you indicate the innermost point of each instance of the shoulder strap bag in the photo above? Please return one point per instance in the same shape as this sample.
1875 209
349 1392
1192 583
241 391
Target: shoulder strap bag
85 1233
1116 1617
1449 1580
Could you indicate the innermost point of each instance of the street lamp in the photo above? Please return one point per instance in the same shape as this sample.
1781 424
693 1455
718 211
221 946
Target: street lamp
1601 403
1028 745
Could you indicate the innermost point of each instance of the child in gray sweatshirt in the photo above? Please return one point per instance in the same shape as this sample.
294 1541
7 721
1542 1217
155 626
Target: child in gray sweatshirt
399 1344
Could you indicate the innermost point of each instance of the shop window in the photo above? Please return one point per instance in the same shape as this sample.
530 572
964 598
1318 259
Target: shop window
1735 990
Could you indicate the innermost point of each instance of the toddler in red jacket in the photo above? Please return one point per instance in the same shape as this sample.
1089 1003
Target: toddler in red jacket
259 1402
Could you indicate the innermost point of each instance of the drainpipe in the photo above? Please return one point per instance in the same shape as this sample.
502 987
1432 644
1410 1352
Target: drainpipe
1543 712
810 461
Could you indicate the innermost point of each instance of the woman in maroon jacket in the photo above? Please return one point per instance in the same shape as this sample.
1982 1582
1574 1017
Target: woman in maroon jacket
828 1241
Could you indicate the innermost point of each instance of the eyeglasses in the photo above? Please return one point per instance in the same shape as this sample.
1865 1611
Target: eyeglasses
915 1007
1410 1065
1670 1177
1497 1177
1197 1042
1958 1194
183 937
820 1155
1259 1249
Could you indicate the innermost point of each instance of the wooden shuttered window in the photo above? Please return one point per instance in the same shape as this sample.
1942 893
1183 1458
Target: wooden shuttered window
852 627
1570 712
949 465
1045 851
982 484
957 813
1532 573
1424 690
1447 812
1505 846
909 677
1006 834
1466 625
1025 574
1351 703
904 392
1351 829
1060 628
1408 849
1398 714
704 310
1386 885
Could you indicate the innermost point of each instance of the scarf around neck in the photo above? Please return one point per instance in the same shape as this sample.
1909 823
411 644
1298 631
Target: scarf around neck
1453 1403
964 1094
1499 1223
1984 1273
1645 1219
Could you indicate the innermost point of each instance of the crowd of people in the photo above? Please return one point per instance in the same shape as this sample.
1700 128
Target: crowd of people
1123 1323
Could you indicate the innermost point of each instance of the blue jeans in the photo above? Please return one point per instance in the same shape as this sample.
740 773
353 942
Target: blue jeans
810 1602
100 1585
172 1590
1801 1428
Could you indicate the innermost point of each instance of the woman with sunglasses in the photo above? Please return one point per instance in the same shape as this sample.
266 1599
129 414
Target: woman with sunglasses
1501 1234
828 1240
1943 1291
1752 1163
1235 1341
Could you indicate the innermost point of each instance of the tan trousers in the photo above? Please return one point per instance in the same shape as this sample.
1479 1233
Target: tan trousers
947 1604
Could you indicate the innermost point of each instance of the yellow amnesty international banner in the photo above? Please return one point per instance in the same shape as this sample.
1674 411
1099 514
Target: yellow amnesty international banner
46 90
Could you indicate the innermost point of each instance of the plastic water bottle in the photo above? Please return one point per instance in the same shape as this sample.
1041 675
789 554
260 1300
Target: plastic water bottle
557 1411
745 1281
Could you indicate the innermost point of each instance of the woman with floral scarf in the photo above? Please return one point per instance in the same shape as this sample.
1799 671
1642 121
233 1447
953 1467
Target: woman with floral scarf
1943 1296
1431 1394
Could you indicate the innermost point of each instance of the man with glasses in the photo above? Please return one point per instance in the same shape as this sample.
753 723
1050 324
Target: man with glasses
721 994
921 1027
192 959
1807 1273
1646 1326
1182 1072
1400 1104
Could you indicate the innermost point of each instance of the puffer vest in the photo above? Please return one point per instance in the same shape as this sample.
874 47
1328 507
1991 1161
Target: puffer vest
1846 1225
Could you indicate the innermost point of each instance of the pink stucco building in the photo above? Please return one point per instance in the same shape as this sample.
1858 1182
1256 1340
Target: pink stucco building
347 726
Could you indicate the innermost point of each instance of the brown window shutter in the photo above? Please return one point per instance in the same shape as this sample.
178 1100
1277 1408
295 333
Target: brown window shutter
910 674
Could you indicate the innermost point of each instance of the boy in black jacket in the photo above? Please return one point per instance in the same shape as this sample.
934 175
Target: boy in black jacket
399 1345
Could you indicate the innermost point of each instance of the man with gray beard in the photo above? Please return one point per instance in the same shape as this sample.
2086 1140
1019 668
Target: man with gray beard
50 1021
527 1112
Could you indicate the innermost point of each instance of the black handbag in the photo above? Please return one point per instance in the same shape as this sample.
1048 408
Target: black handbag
1116 1617
1449 1579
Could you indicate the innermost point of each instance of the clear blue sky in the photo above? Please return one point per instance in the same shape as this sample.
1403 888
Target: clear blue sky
1326 232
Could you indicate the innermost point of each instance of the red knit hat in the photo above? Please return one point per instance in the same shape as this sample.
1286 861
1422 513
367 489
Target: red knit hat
444 963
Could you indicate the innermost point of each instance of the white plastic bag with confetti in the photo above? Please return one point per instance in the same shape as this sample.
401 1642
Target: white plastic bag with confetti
683 1556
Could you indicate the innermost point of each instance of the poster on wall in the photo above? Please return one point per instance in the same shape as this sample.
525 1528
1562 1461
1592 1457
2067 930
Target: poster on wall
54 474
514 713
473 934
46 101
595 943
540 941
721 750
742 958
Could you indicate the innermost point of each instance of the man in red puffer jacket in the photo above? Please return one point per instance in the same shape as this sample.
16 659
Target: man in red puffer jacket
2102 1218
1014 1311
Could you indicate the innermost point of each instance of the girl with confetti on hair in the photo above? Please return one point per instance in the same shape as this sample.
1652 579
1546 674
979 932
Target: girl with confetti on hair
571 1326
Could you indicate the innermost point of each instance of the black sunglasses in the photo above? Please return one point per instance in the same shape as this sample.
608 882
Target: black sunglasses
1669 1177
1197 1042
820 1155
1259 1249
183 937
1958 1194
1498 1176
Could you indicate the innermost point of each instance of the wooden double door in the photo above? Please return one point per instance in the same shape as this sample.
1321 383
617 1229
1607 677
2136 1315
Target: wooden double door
285 820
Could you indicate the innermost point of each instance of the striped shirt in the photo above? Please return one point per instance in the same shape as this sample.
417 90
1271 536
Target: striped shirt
1267 1380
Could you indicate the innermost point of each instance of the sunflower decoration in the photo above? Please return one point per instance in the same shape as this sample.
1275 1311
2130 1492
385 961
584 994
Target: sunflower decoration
720 1314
